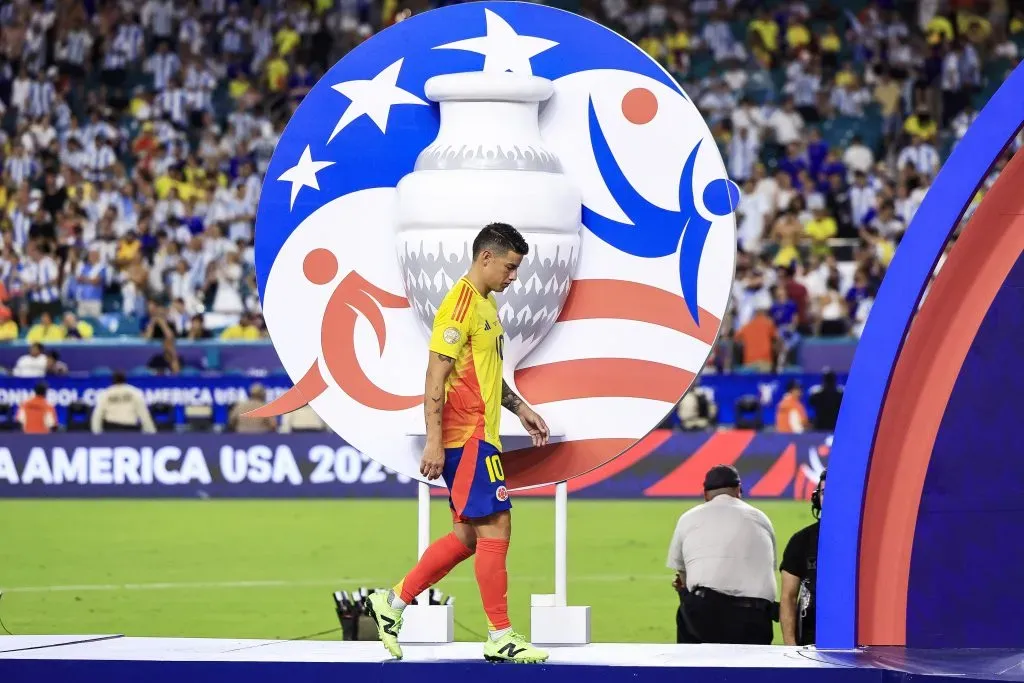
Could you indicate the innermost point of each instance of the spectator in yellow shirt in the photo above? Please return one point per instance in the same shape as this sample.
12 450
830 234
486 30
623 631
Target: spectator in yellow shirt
45 330
830 43
921 125
939 30
788 254
654 47
286 39
245 330
277 73
766 29
820 229
75 328
797 37
127 249
8 328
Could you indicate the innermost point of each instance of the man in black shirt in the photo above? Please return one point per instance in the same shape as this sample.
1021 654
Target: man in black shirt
799 577
825 400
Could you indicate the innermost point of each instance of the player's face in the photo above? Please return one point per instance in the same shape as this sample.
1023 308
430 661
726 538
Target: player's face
501 269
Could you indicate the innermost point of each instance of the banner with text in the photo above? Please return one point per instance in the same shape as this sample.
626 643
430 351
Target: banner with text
665 464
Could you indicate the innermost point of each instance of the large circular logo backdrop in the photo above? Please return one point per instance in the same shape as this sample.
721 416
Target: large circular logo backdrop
512 112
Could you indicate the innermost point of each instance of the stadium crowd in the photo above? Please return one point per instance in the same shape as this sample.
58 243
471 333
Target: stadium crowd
135 135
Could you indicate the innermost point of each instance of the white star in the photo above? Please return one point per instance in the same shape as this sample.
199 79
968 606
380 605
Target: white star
503 49
373 98
303 174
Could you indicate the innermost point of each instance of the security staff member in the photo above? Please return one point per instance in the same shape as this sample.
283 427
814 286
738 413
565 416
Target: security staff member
723 552
121 408
799 575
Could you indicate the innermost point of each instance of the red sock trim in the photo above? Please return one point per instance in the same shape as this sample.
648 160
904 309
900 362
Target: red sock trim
439 558
492 578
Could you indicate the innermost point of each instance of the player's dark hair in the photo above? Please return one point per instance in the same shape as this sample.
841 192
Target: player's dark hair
500 238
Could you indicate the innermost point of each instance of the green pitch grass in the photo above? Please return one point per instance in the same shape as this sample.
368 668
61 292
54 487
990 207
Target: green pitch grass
266 569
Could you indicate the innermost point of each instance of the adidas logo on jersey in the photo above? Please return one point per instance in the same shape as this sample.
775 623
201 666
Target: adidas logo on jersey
487 325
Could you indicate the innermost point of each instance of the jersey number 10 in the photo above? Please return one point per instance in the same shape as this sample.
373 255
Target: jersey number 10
494 471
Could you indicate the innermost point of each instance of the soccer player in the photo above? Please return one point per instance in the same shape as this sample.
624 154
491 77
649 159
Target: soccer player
463 397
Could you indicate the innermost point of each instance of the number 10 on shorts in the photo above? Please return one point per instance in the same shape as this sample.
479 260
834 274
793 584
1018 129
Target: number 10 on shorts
494 471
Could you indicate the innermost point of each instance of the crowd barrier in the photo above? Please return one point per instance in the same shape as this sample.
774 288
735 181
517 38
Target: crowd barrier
223 391
316 465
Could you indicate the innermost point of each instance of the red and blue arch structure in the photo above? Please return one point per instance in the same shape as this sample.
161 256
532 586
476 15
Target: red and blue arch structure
922 541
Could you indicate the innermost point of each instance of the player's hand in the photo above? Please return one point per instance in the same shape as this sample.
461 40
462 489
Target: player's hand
432 462
534 424
677 583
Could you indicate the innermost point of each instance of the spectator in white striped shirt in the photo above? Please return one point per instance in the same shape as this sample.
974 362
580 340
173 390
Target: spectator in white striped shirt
41 95
159 16
173 103
39 276
234 31
21 167
163 66
73 49
100 160
921 155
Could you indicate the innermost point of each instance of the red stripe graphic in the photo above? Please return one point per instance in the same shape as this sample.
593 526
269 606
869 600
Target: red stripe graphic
641 450
462 305
723 448
616 299
778 476
305 390
608 377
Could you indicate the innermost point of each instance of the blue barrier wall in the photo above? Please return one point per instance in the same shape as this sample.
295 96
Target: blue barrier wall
222 391
321 465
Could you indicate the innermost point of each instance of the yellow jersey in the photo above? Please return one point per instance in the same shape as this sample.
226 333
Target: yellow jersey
466 328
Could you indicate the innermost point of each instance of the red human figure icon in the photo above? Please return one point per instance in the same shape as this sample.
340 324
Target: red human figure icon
353 296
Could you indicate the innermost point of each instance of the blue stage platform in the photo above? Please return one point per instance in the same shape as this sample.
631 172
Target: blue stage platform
112 658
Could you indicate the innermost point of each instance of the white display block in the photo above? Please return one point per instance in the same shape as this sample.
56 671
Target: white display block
428 624
551 624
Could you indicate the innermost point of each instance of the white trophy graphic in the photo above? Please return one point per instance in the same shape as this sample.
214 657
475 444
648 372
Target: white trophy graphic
489 164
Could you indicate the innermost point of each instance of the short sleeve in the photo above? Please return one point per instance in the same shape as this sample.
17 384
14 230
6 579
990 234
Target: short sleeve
453 323
675 558
794 556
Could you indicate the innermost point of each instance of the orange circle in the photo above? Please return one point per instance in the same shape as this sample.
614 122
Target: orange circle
639 106
320 266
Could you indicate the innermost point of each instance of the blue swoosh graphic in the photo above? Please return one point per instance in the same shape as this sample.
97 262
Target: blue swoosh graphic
655 232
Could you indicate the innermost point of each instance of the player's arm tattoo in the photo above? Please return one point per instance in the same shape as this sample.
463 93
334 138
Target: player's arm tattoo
509 398
433 397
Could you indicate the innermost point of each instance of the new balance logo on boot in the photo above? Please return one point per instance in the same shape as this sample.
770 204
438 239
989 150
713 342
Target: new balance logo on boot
511 650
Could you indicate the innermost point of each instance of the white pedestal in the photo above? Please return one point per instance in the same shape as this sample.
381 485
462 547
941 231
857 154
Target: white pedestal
428 624
551 624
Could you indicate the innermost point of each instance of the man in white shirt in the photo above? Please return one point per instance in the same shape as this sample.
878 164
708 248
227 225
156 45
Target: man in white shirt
32 364
786 123
723 552
121 408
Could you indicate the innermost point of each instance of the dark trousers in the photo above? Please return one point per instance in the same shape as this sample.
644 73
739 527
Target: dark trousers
117 427
705 616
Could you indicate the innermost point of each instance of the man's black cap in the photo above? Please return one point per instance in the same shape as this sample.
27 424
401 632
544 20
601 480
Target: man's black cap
721 477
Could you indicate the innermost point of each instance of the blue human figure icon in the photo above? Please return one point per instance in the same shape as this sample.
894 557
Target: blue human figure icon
656 232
